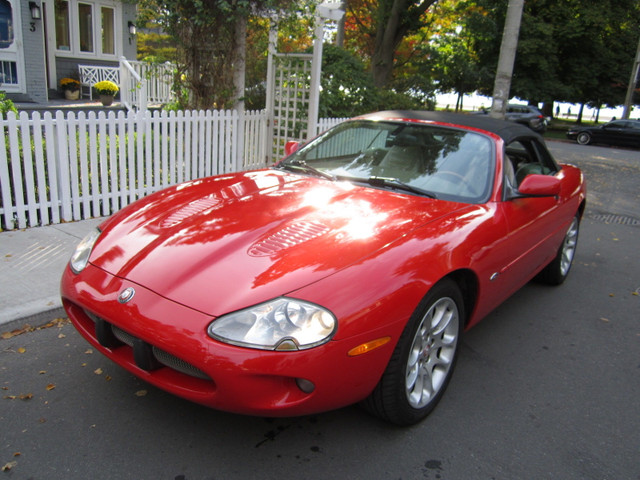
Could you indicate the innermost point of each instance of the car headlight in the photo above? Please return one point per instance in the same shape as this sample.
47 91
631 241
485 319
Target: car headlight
281 324
80 257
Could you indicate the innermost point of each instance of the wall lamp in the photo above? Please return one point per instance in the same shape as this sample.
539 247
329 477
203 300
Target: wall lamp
35 11
132 28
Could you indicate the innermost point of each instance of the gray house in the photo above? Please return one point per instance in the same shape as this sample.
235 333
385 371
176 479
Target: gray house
43 41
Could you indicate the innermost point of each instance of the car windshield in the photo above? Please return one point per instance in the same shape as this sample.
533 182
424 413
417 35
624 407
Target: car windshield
445 163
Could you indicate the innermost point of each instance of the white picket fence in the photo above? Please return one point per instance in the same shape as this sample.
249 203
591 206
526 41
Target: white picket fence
57 168
62 168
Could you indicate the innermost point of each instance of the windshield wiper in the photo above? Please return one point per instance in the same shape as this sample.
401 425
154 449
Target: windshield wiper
387 182
303 166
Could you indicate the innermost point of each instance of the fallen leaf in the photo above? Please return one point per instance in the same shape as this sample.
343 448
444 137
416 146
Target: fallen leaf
88 351
605 319
22 396
612 295
42 372
107 378
98 371
17 331
50 387
22 350
9 466
62 335
141 393
17 454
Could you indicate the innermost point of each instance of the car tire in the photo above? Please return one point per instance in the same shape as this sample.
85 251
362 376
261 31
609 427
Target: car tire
583 138
557 271
423 360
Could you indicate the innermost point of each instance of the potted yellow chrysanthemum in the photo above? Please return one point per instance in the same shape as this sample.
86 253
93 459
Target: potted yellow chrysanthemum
71 88
107 90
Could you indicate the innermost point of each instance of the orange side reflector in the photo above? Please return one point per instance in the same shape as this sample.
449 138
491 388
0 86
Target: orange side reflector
367 347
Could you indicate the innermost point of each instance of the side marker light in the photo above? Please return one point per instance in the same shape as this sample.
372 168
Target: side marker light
367 347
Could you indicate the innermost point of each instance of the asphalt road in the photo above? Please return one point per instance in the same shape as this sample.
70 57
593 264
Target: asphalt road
547 387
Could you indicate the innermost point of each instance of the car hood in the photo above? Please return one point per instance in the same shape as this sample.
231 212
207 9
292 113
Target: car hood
223 243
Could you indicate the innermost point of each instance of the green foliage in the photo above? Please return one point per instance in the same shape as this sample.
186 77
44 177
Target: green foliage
6 105
389 99
207 51
155 46
574 51
347 89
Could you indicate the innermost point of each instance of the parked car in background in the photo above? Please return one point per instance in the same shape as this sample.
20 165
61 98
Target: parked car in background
527 115
346 273
625 133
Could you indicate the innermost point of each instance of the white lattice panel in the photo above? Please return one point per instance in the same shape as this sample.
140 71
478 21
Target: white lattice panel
292 91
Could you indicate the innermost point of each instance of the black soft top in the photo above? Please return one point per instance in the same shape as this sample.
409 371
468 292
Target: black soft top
508 131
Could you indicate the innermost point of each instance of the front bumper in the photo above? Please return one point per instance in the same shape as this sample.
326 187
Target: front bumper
166 344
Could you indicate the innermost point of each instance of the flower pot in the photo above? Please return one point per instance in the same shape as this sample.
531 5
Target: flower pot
106 100
72 94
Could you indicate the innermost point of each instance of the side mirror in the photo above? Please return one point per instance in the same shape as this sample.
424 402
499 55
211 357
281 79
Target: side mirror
535 185
290 147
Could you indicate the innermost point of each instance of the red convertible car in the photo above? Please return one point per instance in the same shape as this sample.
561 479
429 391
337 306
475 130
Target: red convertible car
346 273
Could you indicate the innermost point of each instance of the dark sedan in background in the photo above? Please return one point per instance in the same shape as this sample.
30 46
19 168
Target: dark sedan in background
624 133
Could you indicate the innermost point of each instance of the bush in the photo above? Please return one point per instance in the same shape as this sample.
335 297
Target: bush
6 105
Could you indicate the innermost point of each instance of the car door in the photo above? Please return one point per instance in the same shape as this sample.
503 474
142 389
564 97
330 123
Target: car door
616 133
532 222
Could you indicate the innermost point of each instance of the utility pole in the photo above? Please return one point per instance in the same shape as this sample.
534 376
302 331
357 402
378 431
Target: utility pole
628 101
508 48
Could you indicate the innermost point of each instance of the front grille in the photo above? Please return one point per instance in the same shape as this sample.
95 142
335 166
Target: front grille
178 364
163 357
123 336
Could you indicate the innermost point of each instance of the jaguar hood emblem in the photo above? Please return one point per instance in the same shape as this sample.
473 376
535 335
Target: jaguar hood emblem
126 295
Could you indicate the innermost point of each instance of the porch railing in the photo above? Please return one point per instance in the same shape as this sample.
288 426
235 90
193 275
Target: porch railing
159 80
141 84
133 88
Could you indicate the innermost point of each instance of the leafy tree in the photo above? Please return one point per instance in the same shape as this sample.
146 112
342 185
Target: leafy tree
576 50
155 46
395 19
210 40
378 27
347 89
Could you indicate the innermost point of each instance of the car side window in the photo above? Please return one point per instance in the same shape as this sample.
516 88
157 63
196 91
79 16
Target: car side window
526 157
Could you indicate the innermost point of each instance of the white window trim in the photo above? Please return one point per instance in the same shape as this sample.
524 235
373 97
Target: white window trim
14 52
74 31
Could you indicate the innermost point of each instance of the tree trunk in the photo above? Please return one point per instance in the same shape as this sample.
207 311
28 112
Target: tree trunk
395 18
388 36
508 48
579 119
341 23
239 64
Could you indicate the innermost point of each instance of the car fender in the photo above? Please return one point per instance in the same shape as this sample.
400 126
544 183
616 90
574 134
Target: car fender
398 276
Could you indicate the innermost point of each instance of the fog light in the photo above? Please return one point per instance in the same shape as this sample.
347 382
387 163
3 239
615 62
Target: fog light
305 385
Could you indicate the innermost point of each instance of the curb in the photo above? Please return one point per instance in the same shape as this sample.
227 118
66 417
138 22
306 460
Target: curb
34 316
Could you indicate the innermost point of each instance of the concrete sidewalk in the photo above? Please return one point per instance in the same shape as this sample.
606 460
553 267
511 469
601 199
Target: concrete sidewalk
31 264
